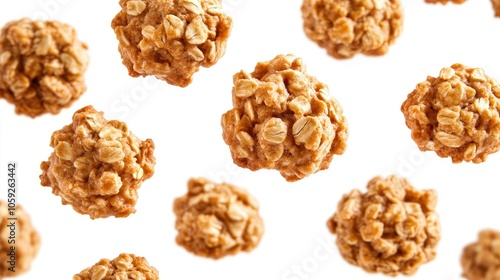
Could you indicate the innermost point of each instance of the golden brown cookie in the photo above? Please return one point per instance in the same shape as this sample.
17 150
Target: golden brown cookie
19 235
42 64
456 114
481 260
392 228
125 266
345 27
217 220
283 119
97 165
171 39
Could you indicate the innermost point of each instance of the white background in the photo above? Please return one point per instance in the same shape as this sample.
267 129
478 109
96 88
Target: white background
184 123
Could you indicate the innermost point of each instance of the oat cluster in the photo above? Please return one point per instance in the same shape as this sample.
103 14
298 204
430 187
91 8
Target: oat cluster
171 39
445 1
496 7
26 237
392 228
347 27
42 64
481 260
217 220
456 114
97 165
283 119
123 267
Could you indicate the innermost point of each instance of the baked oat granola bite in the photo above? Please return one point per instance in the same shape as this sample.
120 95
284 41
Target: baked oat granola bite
27 241
481 260
496 7
217 220
125 266
456 114
348 27
42 64
171 39
392 228
283 119
97 165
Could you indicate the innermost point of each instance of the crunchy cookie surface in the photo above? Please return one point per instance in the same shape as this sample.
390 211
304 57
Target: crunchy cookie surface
97 165
283 119
27 241
392 228
217 220
456 114
42 64
345 27
481 260
171 39
123 267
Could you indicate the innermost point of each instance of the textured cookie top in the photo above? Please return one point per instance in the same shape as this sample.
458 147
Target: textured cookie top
27 241
283 119
456 114
217 220
171 39
349 27
392 228
123 267
97 165
481 260
42 64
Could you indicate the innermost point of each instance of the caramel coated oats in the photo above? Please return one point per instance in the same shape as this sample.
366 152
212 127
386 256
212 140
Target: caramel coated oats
283 119
26 237
42 64
456 114
392 228
171 39
97 165
496 7
216 220
481 260
349 27
123 267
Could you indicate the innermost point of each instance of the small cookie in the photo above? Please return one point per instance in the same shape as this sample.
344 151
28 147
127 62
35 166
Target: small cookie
283 119
345 28
217 220
42 64
97 165
392 228
171 39
456 114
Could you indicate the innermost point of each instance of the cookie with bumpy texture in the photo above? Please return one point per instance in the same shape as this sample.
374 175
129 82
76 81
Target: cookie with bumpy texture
456 114
283 119
392 228
42 64
217 220
97 165
171 39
